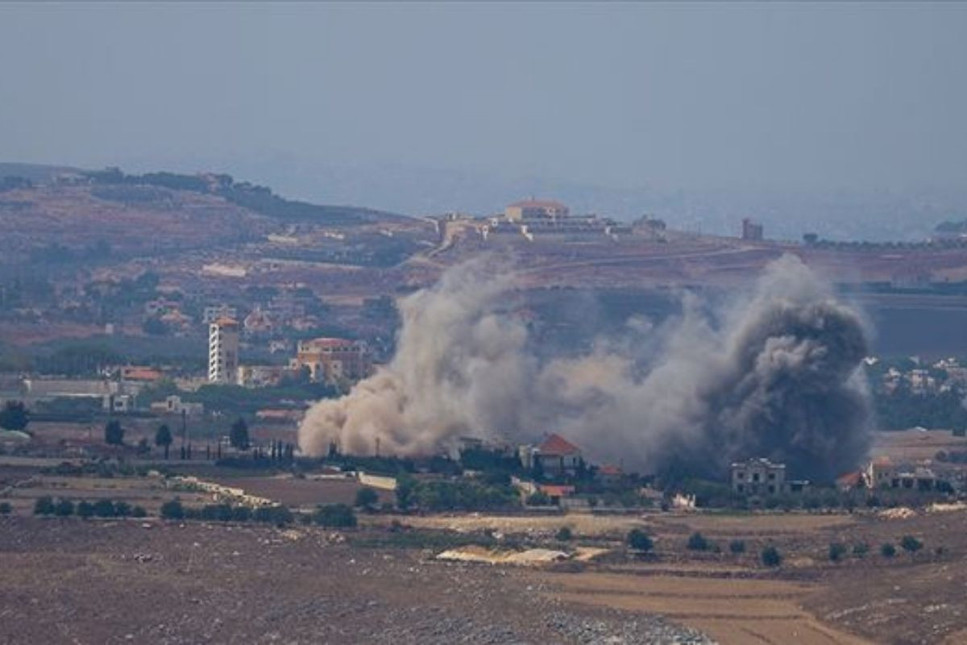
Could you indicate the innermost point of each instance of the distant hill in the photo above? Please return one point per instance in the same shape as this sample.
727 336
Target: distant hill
259 199
256 198
952 228
36 173
62 218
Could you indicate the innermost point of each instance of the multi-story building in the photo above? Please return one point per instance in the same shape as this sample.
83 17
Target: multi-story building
759 477
260 375
555 456
222 350
215 312
751 231
331 360
534 208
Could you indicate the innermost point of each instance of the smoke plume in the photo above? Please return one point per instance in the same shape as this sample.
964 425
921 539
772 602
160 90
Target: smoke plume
776 375
459 369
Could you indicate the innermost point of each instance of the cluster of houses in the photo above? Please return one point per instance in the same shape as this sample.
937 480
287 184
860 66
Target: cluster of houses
943 375
760 477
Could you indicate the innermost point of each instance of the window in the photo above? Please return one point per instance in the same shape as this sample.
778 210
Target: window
755 477
772 477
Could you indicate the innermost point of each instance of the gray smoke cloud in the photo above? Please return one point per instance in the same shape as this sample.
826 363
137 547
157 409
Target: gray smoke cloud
776 375
459 369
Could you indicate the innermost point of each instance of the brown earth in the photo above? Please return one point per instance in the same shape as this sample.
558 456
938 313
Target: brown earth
74 581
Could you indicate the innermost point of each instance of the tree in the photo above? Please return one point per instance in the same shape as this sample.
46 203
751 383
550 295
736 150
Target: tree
334 515
238 437
104 508
154 326
14 416
114 433
888 550
771 556
836 551
405 490
163 438
564 534
5 508
44 506
85 509
860 549
911 544
172 510
639 540
737 546
366 498
64 508
539 498
697 542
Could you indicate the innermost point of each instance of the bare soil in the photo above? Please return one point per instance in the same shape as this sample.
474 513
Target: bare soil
76 581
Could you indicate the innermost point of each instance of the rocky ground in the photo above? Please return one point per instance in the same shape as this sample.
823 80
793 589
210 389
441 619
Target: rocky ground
76 581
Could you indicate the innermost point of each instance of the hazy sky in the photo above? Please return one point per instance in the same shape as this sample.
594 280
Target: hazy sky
699 96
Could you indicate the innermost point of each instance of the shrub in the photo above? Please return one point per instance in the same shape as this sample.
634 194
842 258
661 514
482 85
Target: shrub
697 542
911 544
564 534
241 513
737 546
887 550
44 506
771 556
860 549
366 498
64 508
138 511
173 510
122 509
540 498
85 509
639 540
104 508
273 514
334 515
5 508
113 433
836 551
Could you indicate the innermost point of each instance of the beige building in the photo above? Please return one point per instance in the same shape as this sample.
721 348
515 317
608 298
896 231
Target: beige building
535 209
331 360
758 477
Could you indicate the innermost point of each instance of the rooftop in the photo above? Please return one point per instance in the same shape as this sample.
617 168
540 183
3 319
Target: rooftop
537 203
557 446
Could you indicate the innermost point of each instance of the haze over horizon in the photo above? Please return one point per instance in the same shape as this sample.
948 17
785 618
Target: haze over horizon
701 111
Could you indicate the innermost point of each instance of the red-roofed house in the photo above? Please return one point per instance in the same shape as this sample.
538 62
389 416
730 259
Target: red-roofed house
558 456
609 474
555 492
851 481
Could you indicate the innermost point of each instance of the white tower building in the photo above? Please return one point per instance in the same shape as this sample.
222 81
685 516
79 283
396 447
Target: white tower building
222 350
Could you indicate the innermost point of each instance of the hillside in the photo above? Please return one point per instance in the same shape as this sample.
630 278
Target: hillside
36 173
57 216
